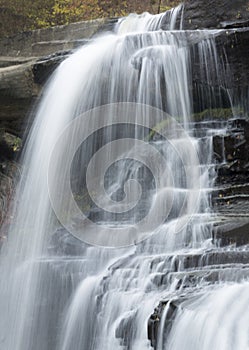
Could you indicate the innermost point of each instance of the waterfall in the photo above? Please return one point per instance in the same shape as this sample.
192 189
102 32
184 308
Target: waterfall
204 325
114 196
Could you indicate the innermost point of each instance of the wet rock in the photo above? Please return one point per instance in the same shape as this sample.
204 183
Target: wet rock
28 59
232 42
46 41
155 320
231 195
200 14
17 81
10 147
232 72
124 330
214 266
18 92
44 67
64 243
9 175
234 232
232 47
233 149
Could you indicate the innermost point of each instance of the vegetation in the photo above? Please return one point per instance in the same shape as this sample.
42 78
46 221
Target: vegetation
24 15
215 114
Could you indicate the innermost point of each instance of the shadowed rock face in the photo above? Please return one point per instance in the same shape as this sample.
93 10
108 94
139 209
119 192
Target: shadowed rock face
233 44
215 13
26 62
28 59
233 47
231 154
194 275
9 173
200 14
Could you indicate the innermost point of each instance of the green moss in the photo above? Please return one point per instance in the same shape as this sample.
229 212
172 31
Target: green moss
212 114
165 8
162 125
84 200
207 114
14 142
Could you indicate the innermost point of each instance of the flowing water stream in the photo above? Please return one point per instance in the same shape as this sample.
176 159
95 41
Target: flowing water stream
91 253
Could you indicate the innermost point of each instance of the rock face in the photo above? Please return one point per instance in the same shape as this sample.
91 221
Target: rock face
200 14
9 174
44 42
195 275
232 48
26 62
202 272
233 18
230 198
28 59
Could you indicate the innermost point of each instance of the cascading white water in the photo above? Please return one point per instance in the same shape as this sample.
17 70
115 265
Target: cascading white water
203 323
92 297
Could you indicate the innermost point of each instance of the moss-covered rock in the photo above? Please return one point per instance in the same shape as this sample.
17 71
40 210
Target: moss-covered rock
213 114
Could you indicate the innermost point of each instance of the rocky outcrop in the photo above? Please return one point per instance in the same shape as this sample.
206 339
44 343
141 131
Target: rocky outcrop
232 47
231 196
232 19
26 62
28 59
201 14
9 174
195 274
46 41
